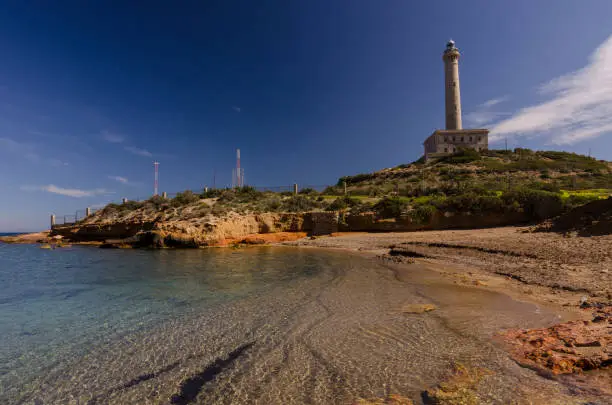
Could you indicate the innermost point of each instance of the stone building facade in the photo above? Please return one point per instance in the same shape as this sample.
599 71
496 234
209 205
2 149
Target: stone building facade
454 138
447 141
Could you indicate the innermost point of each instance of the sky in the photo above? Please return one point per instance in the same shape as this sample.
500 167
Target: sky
92 93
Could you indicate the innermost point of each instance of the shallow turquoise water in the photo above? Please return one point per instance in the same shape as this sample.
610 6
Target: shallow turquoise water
263 325
58 304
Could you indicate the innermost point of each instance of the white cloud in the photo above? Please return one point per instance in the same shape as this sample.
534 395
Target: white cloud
579 105
493 101
28 152
138 151
112 137
70 192
122 180
482 116
237 109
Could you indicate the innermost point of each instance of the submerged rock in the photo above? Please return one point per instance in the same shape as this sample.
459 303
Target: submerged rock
418 308
392 399
458 388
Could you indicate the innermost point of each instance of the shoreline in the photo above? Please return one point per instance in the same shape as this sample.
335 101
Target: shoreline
389 245
475 259
408 247
356 315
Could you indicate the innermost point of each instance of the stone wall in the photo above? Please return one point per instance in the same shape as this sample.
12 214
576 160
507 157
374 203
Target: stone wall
324 223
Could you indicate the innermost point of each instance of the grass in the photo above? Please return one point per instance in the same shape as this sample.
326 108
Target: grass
599 193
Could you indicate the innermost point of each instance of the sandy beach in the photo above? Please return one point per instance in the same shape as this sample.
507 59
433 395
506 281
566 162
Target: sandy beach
560 268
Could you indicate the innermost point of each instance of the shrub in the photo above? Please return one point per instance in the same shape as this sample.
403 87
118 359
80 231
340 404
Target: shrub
184 198
342 203
575 200
390 207
540 185
538 204
470 202
121 208
156 202
362 207
358 178
298 203
212 193
333 190
462 156
419 161
272 204
247 194
308 190
422 213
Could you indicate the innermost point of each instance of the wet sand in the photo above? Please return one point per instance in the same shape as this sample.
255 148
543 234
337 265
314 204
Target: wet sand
328 339
550 267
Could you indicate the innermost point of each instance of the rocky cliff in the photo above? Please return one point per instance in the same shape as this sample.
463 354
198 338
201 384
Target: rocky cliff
181 231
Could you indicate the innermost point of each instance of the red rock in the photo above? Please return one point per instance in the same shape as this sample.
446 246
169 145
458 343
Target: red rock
566 348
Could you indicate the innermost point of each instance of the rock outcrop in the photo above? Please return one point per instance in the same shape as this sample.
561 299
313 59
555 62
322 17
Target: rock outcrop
184 232
594 218
570 347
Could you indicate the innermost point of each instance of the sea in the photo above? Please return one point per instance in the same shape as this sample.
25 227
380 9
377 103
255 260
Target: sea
56 304
267 325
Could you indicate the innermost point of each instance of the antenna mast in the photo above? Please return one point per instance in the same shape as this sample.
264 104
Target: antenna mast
238 173
156 181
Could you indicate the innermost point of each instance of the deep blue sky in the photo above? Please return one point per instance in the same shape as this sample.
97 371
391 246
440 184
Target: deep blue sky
308 90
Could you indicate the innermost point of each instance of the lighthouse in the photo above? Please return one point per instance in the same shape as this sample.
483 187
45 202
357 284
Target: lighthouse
453 138
452 92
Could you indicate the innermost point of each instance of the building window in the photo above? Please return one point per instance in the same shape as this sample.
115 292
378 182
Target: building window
461 139
453 139
479 138
445 149
470 139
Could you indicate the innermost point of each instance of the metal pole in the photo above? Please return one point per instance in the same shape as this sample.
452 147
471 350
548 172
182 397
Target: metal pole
156 181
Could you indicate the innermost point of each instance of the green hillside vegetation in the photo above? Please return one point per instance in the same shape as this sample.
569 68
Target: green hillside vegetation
540 184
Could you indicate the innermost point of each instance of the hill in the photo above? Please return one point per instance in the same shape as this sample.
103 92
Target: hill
465 190
491 170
